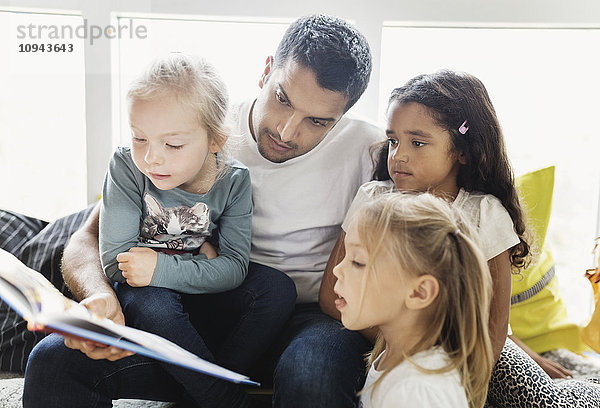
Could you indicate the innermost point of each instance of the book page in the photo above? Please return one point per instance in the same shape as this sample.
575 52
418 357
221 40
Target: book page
38 302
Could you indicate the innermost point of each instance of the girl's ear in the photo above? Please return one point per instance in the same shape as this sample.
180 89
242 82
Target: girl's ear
213 147
425 290
215 143
462 158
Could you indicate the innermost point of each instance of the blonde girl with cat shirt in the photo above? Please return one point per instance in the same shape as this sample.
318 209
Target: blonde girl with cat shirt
175 228
413 270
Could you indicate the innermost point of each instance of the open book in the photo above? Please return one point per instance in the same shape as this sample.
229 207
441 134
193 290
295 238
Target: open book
41 304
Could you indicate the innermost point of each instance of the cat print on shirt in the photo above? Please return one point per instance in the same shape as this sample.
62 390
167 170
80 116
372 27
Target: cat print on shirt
174 228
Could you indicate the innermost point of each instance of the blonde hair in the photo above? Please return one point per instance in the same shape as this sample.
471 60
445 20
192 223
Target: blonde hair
194 82
427 236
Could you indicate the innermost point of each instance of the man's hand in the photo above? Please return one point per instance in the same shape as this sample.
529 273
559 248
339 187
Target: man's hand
138 265
208 250
105 305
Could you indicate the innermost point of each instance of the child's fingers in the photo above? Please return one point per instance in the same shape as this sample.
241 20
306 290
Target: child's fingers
123 257
139 249
561 372
554 369
132 282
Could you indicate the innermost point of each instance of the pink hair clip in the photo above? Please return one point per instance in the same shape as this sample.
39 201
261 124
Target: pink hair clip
463 128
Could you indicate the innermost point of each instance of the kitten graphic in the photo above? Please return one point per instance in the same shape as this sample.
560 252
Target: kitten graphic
176 228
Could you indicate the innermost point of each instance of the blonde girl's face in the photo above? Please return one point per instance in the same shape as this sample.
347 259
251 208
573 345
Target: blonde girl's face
421 155
168 144
384 290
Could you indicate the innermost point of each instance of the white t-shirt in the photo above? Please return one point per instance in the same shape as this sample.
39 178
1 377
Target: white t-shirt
496 230
406 386
300 204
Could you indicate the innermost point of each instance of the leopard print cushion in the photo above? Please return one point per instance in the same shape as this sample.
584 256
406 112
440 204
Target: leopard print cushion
517 381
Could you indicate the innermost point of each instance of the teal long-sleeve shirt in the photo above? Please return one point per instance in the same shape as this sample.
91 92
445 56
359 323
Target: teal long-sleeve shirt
135 213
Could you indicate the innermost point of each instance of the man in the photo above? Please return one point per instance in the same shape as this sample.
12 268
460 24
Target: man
306 163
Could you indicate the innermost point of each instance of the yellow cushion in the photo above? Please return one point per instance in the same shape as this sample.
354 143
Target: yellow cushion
535 190
541 321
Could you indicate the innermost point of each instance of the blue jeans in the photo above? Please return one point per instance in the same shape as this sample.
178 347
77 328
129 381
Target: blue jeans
233 328
315 362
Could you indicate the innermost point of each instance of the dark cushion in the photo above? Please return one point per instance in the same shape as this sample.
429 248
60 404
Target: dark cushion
39 245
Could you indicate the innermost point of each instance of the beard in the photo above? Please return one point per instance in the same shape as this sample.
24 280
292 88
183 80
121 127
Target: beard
265 135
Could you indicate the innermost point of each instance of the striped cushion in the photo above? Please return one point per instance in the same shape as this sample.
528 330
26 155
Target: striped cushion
38 245
16 230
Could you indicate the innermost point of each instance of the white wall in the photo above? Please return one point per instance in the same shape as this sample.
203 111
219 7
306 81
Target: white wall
367 15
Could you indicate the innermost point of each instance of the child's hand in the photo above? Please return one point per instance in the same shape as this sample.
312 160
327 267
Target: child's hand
552 368
138 265
208 250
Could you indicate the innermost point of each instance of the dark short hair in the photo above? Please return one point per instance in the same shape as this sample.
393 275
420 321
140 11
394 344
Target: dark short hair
334 50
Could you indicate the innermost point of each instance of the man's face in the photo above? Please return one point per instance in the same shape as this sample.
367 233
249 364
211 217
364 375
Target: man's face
292 113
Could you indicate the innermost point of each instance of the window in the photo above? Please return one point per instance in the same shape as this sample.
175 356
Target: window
237 48
544 85
42 116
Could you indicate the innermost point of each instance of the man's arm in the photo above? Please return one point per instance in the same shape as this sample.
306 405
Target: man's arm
81 267
82 272
326 294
